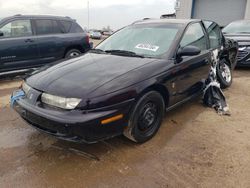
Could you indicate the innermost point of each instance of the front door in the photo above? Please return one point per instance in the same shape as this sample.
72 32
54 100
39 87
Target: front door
18 47
192 71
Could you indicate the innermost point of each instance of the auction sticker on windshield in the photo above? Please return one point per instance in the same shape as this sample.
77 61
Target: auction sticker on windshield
147 47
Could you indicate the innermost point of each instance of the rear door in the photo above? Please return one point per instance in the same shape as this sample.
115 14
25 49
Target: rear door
18 45
50 39
193 70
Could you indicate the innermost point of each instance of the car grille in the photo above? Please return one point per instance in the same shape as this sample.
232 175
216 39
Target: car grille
242 55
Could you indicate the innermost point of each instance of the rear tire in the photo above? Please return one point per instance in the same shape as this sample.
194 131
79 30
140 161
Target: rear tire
224 74
146 117
72 53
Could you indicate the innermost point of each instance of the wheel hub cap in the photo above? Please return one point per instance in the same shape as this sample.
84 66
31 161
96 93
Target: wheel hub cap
74 54
148 116
226 73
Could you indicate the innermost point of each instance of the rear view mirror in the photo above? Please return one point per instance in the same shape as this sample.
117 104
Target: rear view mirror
1 34
188 51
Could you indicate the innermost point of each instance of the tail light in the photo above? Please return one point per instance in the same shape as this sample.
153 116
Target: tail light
87 38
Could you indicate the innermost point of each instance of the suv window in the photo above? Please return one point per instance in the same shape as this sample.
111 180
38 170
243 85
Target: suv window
195 36
214 33
44 27
56 27
66 25
76 28
17 28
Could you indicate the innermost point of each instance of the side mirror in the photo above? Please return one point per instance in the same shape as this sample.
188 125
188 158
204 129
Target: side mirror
188 51
1 34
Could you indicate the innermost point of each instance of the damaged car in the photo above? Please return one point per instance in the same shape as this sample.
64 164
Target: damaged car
240 32
127 83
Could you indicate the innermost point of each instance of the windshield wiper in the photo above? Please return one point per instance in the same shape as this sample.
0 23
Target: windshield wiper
98 51
124 52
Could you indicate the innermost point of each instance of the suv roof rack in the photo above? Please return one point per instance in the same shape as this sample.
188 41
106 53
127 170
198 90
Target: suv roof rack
138 21
18 15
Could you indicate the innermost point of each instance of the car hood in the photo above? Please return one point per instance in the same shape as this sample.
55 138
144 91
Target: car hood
80 76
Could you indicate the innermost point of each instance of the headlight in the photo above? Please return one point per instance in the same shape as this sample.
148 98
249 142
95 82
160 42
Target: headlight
25 88
60 102
242 48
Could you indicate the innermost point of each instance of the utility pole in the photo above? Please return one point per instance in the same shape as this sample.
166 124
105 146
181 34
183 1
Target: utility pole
88 14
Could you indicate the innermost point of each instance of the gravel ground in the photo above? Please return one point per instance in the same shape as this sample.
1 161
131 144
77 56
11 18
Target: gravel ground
194 147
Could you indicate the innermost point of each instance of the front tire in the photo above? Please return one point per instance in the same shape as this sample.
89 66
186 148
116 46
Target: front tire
224 74
146 117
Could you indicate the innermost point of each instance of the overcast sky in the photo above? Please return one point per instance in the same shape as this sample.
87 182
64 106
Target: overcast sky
115 13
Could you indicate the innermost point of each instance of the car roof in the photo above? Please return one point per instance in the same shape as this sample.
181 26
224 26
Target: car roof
38 17
166 21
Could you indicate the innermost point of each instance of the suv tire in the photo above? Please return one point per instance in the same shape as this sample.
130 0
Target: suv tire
72 53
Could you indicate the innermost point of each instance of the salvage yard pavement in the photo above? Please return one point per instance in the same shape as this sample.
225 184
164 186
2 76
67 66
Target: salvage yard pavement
195 147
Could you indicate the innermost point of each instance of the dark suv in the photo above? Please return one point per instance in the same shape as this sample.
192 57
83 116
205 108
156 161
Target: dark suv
32 41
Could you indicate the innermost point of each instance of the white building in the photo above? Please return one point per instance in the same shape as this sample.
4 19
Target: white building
221 11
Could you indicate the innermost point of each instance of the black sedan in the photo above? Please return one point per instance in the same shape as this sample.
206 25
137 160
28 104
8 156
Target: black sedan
125 85
240 32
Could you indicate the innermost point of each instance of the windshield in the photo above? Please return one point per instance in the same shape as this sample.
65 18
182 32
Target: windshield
237 27
145 40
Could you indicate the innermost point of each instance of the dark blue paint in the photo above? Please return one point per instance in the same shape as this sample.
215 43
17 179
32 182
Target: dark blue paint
37 50
193 6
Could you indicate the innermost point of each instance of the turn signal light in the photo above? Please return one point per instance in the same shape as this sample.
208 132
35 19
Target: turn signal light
114 118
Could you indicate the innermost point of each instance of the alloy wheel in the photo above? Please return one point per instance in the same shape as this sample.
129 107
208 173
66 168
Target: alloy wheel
73 54
225 72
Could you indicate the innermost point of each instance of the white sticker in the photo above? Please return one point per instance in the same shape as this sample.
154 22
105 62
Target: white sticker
147 47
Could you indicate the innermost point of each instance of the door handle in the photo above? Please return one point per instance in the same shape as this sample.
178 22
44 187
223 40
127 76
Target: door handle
29 40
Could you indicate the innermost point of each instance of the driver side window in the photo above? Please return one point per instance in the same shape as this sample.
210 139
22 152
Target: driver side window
194 36
17 28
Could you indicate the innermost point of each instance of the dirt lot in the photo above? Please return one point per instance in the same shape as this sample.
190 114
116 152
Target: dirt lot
194 147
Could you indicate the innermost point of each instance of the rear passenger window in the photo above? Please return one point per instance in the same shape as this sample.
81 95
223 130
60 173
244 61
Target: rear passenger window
194 36
66 25
56 27
214 33
76 28
44 27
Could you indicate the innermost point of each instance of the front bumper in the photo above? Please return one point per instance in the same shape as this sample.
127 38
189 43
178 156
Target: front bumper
243 58
75 125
